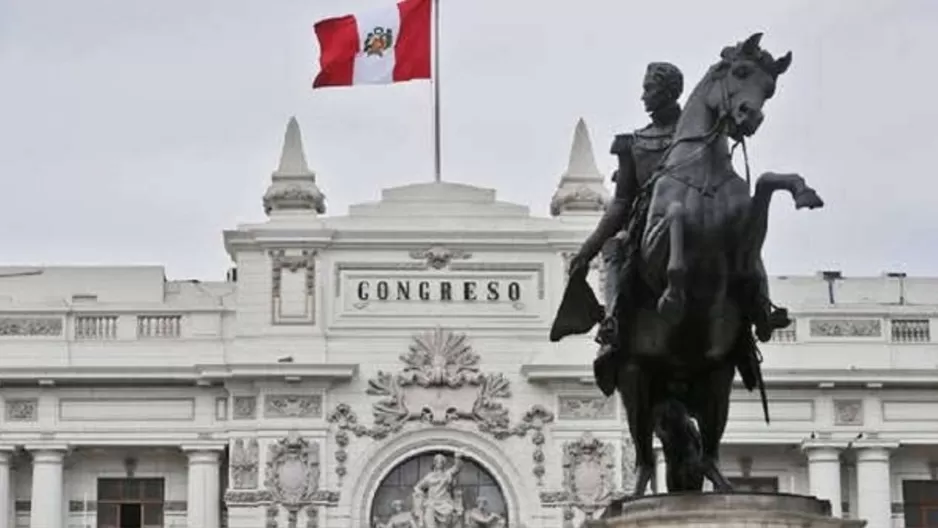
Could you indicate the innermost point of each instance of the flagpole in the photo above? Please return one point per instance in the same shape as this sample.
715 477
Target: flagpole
437 173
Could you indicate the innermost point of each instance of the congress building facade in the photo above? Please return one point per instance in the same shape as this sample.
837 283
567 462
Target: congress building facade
391 367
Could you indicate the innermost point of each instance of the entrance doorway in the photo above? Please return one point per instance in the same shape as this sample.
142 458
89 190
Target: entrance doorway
130 502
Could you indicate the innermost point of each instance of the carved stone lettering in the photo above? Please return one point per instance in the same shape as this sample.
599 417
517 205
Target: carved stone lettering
31 326
846 328
245 458
848 412
22 410
293 406
244 407
586 408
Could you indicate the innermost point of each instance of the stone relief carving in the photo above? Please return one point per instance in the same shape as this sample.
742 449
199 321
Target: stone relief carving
305 261
441 382
244 407
312 517
572 407
438 257
245 458
293 406
846 328
291 481
22 410
629 459
588 477
848 412
31 326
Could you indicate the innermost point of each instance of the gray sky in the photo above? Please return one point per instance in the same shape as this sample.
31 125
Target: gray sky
135 131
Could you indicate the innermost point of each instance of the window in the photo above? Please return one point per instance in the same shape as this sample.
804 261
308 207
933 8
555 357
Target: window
472 482
755 484
920 498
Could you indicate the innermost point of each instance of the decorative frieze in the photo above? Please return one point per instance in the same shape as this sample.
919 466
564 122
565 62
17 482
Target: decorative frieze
846 328
848 412
294 304
22 409
245 459
244 407
574 407
23 326
293 406
441 382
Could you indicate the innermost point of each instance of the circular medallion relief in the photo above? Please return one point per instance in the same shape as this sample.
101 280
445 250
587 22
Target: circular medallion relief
439 489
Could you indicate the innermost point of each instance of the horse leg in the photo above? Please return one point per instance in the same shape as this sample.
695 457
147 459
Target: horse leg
758 214
712 404
754 233
671 304
635 389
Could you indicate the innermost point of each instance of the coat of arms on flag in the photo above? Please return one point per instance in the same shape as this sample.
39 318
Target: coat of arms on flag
384 45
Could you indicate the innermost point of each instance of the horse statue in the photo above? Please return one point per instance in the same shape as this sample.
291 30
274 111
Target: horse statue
700 279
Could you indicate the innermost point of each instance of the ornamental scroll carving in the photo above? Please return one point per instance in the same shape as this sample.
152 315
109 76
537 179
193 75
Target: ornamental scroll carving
441 382
588 478
245 458
438 257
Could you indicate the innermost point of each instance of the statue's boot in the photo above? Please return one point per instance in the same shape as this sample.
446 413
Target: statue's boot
770 318
605 369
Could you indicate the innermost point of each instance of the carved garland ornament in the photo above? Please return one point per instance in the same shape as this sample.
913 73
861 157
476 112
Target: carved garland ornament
439 362
245 458
588 478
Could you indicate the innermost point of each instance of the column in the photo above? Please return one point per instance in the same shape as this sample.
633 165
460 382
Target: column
874 484
6 504
202 503
661 471
824 473
47 504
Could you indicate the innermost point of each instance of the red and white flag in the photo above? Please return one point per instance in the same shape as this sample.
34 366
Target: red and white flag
378 46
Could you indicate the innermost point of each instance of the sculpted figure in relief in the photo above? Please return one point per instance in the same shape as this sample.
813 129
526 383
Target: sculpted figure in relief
400 518
481 517
436 501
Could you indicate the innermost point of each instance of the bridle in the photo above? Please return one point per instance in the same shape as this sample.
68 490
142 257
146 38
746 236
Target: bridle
706 140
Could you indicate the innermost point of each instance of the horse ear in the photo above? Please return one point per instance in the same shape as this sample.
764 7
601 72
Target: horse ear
782 64
751 45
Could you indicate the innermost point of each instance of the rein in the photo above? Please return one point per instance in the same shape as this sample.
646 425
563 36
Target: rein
707 139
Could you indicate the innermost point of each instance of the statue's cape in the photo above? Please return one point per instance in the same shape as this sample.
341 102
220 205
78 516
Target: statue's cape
579 309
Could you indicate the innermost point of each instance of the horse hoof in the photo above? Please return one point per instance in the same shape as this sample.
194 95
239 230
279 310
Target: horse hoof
671 308
808 198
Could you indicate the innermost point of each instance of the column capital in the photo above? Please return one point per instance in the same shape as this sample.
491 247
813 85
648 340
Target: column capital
818 447
48 453
203 455
874 450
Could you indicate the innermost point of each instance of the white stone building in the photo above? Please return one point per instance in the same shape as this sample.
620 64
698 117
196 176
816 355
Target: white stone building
315 386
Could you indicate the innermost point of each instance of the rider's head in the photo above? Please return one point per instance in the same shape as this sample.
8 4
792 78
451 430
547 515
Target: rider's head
662 86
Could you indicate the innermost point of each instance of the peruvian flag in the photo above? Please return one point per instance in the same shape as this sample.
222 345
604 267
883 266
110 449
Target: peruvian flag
378 46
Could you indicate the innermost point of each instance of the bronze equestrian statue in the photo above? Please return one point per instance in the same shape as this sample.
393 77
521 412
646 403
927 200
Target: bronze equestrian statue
693 293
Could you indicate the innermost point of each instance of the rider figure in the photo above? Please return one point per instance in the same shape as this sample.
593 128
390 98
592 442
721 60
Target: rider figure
620 230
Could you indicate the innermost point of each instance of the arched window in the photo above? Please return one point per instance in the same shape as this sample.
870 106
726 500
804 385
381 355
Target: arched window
472 482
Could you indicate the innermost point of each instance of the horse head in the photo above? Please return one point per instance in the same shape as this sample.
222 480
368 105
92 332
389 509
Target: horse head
743 81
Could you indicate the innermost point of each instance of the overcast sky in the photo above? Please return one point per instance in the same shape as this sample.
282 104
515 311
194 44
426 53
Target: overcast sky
135 131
